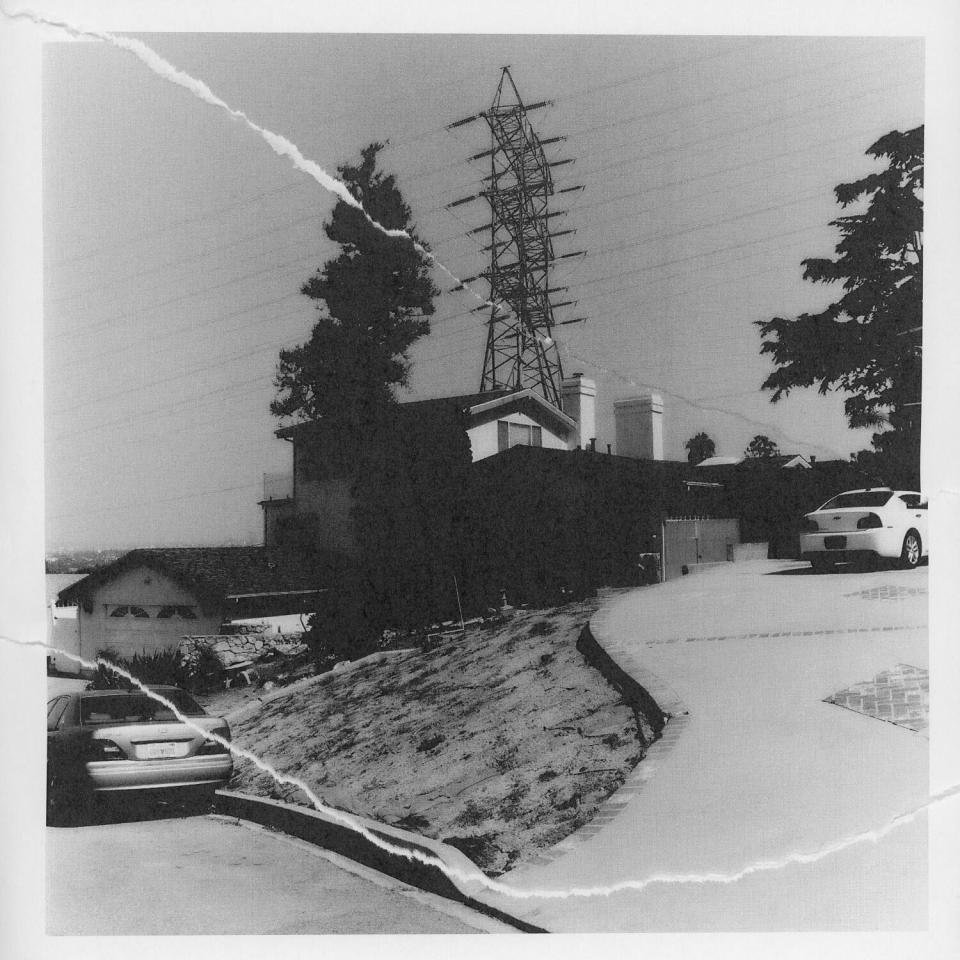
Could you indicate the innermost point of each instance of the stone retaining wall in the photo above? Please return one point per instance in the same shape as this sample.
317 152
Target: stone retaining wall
240 647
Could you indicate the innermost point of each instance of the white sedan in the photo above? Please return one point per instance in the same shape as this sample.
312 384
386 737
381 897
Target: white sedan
866 524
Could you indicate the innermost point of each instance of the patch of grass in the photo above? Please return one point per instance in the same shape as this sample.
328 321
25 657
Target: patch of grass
473 813
480 848
510 807
506 759
430 743
412 821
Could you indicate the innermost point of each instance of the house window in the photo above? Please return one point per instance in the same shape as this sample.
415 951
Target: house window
183 613
511 434
130 611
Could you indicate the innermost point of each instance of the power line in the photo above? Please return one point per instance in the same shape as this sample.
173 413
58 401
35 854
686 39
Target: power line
87 329
191 258
137 238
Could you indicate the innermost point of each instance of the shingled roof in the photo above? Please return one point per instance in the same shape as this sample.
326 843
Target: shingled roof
412 408
213 574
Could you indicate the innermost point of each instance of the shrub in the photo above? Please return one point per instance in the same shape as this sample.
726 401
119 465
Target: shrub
196 672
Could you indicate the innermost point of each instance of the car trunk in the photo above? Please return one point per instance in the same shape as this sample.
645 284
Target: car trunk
842 520
158 741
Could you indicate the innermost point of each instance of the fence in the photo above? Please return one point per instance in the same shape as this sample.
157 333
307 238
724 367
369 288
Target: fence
692 541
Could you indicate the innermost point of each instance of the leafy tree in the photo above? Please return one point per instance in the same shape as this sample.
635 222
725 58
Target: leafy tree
867 342
374 298
699 447
761 447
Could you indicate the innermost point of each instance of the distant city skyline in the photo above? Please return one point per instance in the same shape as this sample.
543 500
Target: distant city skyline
176 241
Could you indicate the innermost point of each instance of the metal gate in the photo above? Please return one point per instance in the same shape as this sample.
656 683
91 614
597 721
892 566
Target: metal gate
693 541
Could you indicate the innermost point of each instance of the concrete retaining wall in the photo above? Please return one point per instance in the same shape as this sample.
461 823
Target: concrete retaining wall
750 551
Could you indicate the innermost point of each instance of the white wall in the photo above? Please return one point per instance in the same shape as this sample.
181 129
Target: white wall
580 402
484 440
639 427
129 635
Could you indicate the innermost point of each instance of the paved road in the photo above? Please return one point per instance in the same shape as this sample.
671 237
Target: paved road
763 766
210 875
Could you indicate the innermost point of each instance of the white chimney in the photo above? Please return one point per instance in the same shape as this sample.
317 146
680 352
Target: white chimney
579 398
639 427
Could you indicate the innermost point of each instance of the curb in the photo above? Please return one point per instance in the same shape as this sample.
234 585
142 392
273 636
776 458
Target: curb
649 695
324 831
636 696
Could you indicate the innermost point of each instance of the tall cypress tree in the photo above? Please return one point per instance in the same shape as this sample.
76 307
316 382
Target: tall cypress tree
374 299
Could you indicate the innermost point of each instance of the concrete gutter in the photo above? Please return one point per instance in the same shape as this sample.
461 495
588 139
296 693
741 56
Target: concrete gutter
324 831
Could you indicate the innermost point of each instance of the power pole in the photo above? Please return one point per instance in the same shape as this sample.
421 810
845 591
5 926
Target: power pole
520 351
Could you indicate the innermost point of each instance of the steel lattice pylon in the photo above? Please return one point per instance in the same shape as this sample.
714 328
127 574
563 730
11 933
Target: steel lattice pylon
520 352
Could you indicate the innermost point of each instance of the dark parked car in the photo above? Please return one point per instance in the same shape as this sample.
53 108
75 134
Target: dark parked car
107 741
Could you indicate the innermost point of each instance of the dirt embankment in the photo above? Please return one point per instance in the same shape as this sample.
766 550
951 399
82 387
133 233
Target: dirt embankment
501 743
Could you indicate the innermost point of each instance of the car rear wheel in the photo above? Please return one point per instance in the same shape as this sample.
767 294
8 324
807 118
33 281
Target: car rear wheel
912 550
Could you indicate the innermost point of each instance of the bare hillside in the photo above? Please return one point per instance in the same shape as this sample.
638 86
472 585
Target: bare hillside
501 743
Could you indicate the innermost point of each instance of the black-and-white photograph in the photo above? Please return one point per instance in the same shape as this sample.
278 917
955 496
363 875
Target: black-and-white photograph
481 483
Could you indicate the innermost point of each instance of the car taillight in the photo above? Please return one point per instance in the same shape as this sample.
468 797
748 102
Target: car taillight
809 526
215 746
869 522
104 750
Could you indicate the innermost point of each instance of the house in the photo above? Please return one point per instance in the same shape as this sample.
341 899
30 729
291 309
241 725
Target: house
545 518
317 499
786 461
147 600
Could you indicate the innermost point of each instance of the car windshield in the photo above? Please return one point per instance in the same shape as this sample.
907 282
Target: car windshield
859 498
136 707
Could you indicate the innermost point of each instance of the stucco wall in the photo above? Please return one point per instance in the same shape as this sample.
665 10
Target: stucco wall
129 635
484 441
274 512
330 502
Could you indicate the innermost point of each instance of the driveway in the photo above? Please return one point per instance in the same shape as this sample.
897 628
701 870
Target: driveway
757 766
211 875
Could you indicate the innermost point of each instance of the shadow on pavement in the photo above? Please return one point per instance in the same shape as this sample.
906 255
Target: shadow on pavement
844 568
132 808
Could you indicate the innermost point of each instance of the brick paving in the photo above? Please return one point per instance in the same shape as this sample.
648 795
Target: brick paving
900 696
788 633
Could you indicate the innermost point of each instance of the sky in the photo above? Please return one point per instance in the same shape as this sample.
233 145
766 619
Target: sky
176 241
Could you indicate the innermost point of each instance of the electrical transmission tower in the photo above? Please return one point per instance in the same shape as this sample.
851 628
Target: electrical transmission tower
520 352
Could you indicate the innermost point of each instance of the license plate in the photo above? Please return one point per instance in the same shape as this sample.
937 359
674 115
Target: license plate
835 543
157 751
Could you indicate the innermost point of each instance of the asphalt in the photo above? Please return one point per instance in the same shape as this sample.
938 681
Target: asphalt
757 765
209 875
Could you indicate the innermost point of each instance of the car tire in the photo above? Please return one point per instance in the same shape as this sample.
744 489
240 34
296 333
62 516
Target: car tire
822 565
912 550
